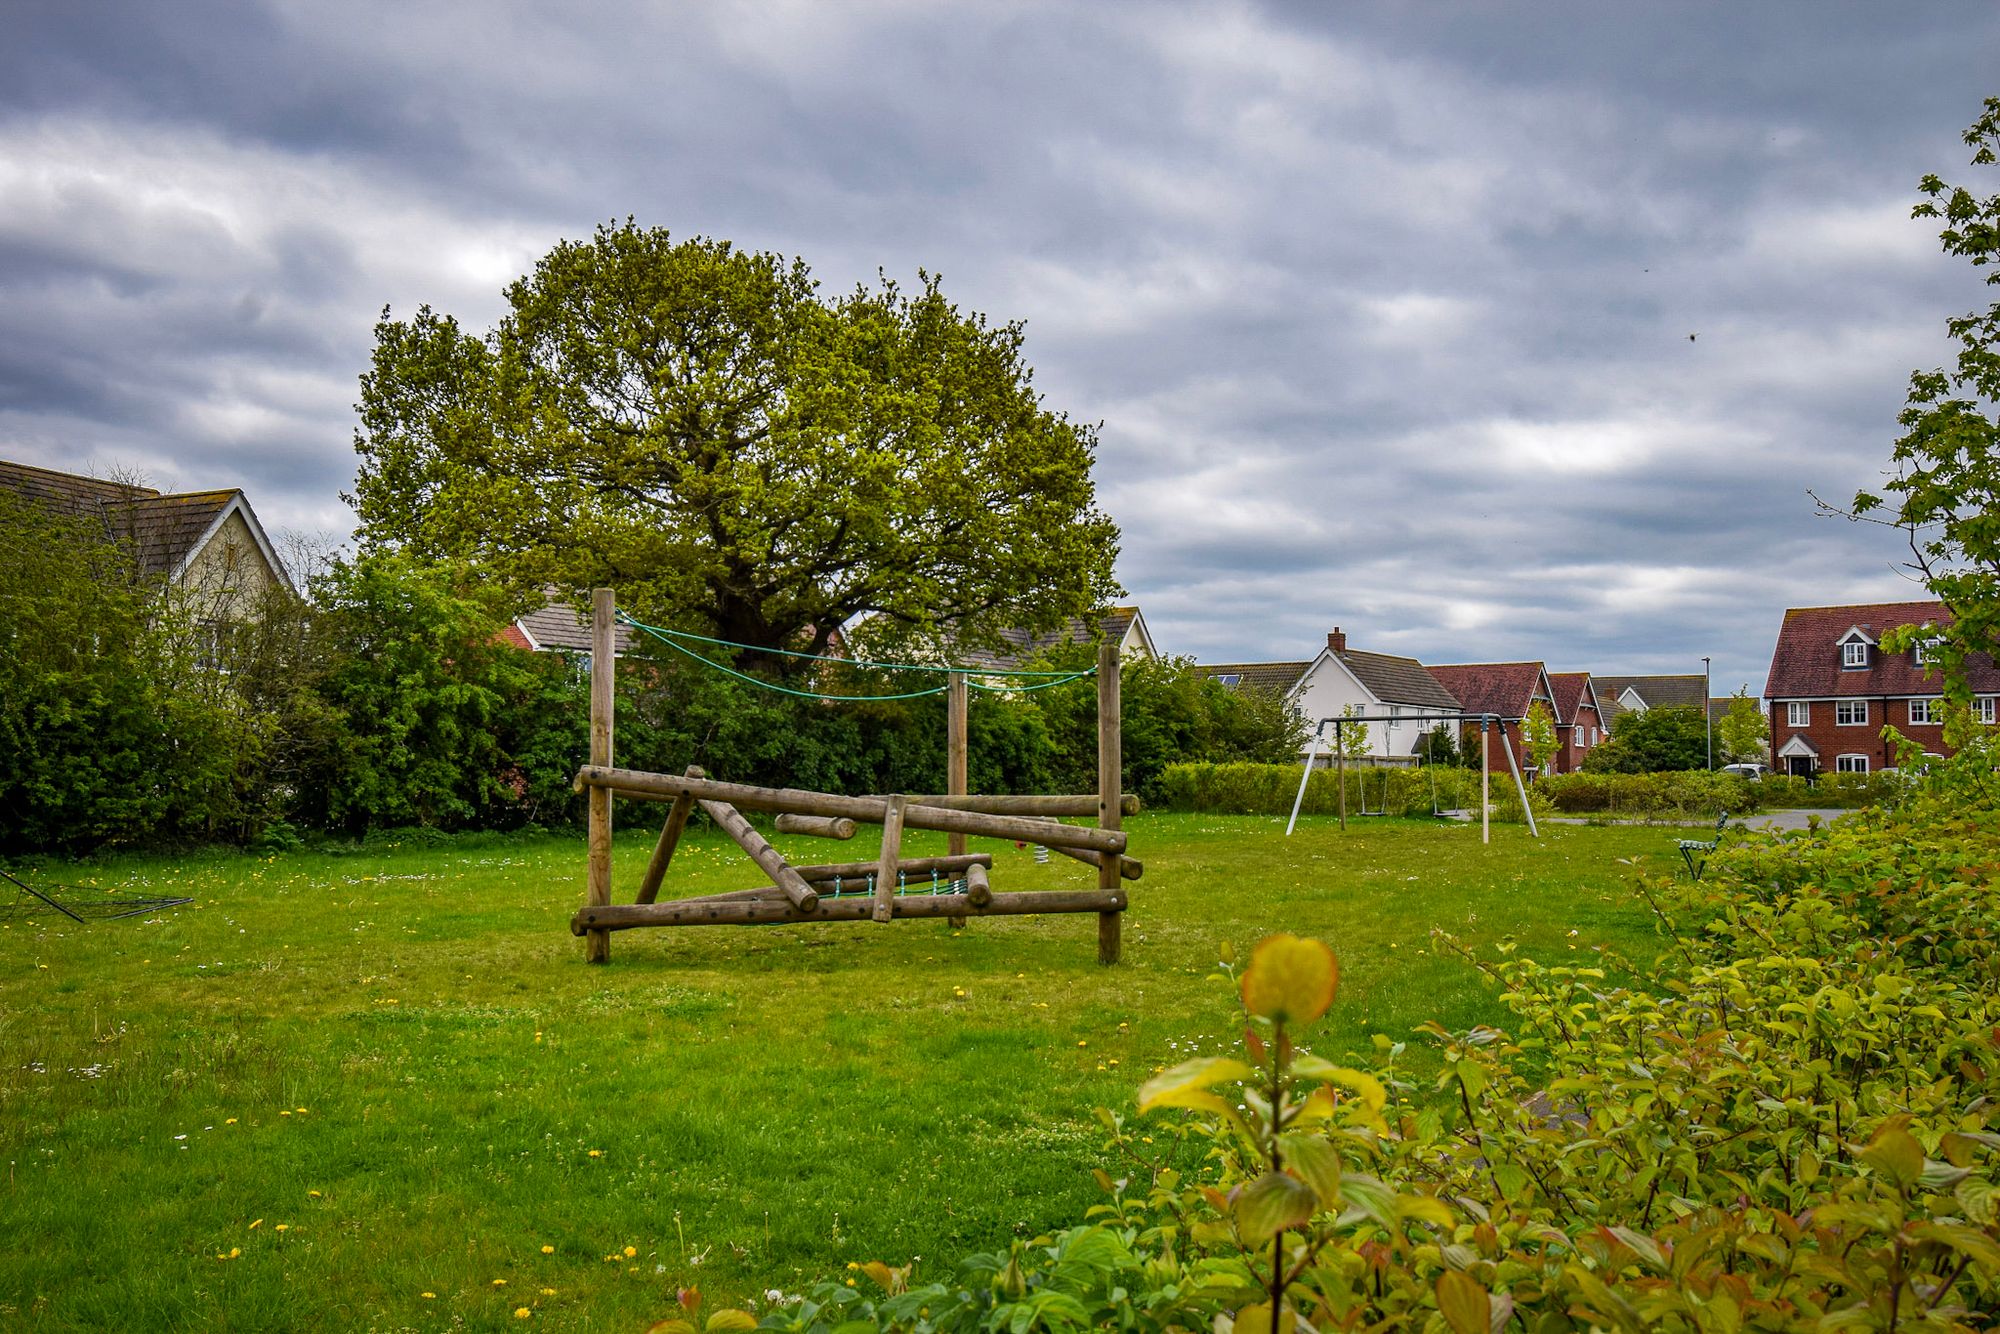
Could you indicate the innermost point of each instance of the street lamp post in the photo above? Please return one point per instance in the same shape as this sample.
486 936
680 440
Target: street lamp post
1708 713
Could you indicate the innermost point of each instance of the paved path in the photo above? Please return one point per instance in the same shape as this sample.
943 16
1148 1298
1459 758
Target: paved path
1761 820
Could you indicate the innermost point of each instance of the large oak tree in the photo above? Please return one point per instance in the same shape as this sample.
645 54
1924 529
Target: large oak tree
737 454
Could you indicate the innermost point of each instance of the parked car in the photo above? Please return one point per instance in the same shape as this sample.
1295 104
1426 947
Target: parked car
1752 771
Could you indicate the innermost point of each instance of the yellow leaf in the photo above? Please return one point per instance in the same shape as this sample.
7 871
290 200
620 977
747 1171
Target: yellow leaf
1290 979
731 1322
1257 1320
1462 1302
1203 1072
674 1326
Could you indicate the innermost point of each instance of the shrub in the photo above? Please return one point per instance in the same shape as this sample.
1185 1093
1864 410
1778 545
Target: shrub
1694 794
1270 789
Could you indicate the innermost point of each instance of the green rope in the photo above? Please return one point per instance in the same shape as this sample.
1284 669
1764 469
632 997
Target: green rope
668 637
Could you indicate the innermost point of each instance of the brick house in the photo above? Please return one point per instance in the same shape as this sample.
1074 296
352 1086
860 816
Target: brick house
1508 689
1579 719
1832 689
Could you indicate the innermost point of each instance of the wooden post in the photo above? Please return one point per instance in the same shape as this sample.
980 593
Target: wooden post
1110 793
817 826
670 838
1485 784
956 701
1340 770
603 673
892 855
978 887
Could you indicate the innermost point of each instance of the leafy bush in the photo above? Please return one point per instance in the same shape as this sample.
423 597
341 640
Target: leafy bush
1270 789
1692 793
1791 1122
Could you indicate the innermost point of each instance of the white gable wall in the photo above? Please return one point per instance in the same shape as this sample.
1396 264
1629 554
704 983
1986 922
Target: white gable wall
1328 688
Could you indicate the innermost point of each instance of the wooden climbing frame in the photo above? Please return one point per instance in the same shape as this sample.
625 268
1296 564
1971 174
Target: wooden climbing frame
817 893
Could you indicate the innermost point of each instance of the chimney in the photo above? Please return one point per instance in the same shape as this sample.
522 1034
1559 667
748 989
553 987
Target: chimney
1336 640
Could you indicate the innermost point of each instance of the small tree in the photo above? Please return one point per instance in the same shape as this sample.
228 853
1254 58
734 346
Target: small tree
1653 741
1538 734
1744 731
1438 747
1353 736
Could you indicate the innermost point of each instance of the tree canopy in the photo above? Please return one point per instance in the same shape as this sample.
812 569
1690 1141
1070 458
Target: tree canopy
1945 490
1653 741
737 454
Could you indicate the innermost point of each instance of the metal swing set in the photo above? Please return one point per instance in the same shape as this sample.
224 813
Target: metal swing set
1488 723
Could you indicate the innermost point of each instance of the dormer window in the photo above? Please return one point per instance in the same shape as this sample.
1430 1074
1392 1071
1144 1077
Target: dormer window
1230 678
1854 653
1924 651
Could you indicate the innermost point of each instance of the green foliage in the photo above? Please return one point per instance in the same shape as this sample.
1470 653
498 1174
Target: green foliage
435 720
734 451
111 731
1353 736
1791 1122
1946 487
1653 741
1269 789
1692 793
1538 736
1744 733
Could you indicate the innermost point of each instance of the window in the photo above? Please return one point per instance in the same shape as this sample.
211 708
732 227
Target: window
1851 713
1923 711
1982 709
1922 653
1851 764
1230 678
1798 713
1854 653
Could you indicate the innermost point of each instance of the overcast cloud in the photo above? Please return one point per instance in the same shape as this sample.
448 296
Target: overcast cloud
1385 309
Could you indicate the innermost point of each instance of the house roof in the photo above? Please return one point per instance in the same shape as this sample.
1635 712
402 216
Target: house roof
555 627
164 530
1278 676
1686 690
1570 691
1806 662
1502 688
1395 680
1112 625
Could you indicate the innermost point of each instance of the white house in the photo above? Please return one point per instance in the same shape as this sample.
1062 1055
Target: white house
1340 679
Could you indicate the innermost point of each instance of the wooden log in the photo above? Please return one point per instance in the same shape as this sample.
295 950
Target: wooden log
645 786
908 866
1129 868
603 674
670 838
1076 806
892 856
1110 797
755 912
957 711
819 826
978 889
731 822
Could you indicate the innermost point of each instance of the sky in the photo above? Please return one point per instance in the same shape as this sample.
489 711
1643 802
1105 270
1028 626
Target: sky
1485 332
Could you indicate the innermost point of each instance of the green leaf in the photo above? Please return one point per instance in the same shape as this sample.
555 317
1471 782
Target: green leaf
731 1322
1967 1241
1316 1162
1290 979
1167 1089
1271 1202
1463 1302
1896 1154
1257 1320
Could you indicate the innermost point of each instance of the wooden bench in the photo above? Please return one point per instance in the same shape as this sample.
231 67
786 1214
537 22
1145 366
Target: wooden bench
1691 847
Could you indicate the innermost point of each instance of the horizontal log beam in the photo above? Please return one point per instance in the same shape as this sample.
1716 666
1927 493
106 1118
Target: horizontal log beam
1129 868
871 810
1081 806
818 826
909 866
771 911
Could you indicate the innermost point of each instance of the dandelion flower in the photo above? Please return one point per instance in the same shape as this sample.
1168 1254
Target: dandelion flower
282 1227
254 1226
548 1250
235 1251
428 1296
1082 1043
302 1111
284 1113
499 1282
631 1251
522 1313
597 1153
548 1292
313 1193
230 1122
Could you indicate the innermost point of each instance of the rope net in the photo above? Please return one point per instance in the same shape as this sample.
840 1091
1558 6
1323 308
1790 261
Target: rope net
78 903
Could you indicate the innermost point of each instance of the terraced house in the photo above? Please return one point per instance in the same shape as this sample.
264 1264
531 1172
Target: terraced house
1832 688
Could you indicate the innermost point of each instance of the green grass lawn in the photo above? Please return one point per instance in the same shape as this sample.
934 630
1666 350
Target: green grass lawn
363 1090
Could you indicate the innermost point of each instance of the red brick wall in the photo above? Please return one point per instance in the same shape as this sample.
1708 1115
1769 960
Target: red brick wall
1832 739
